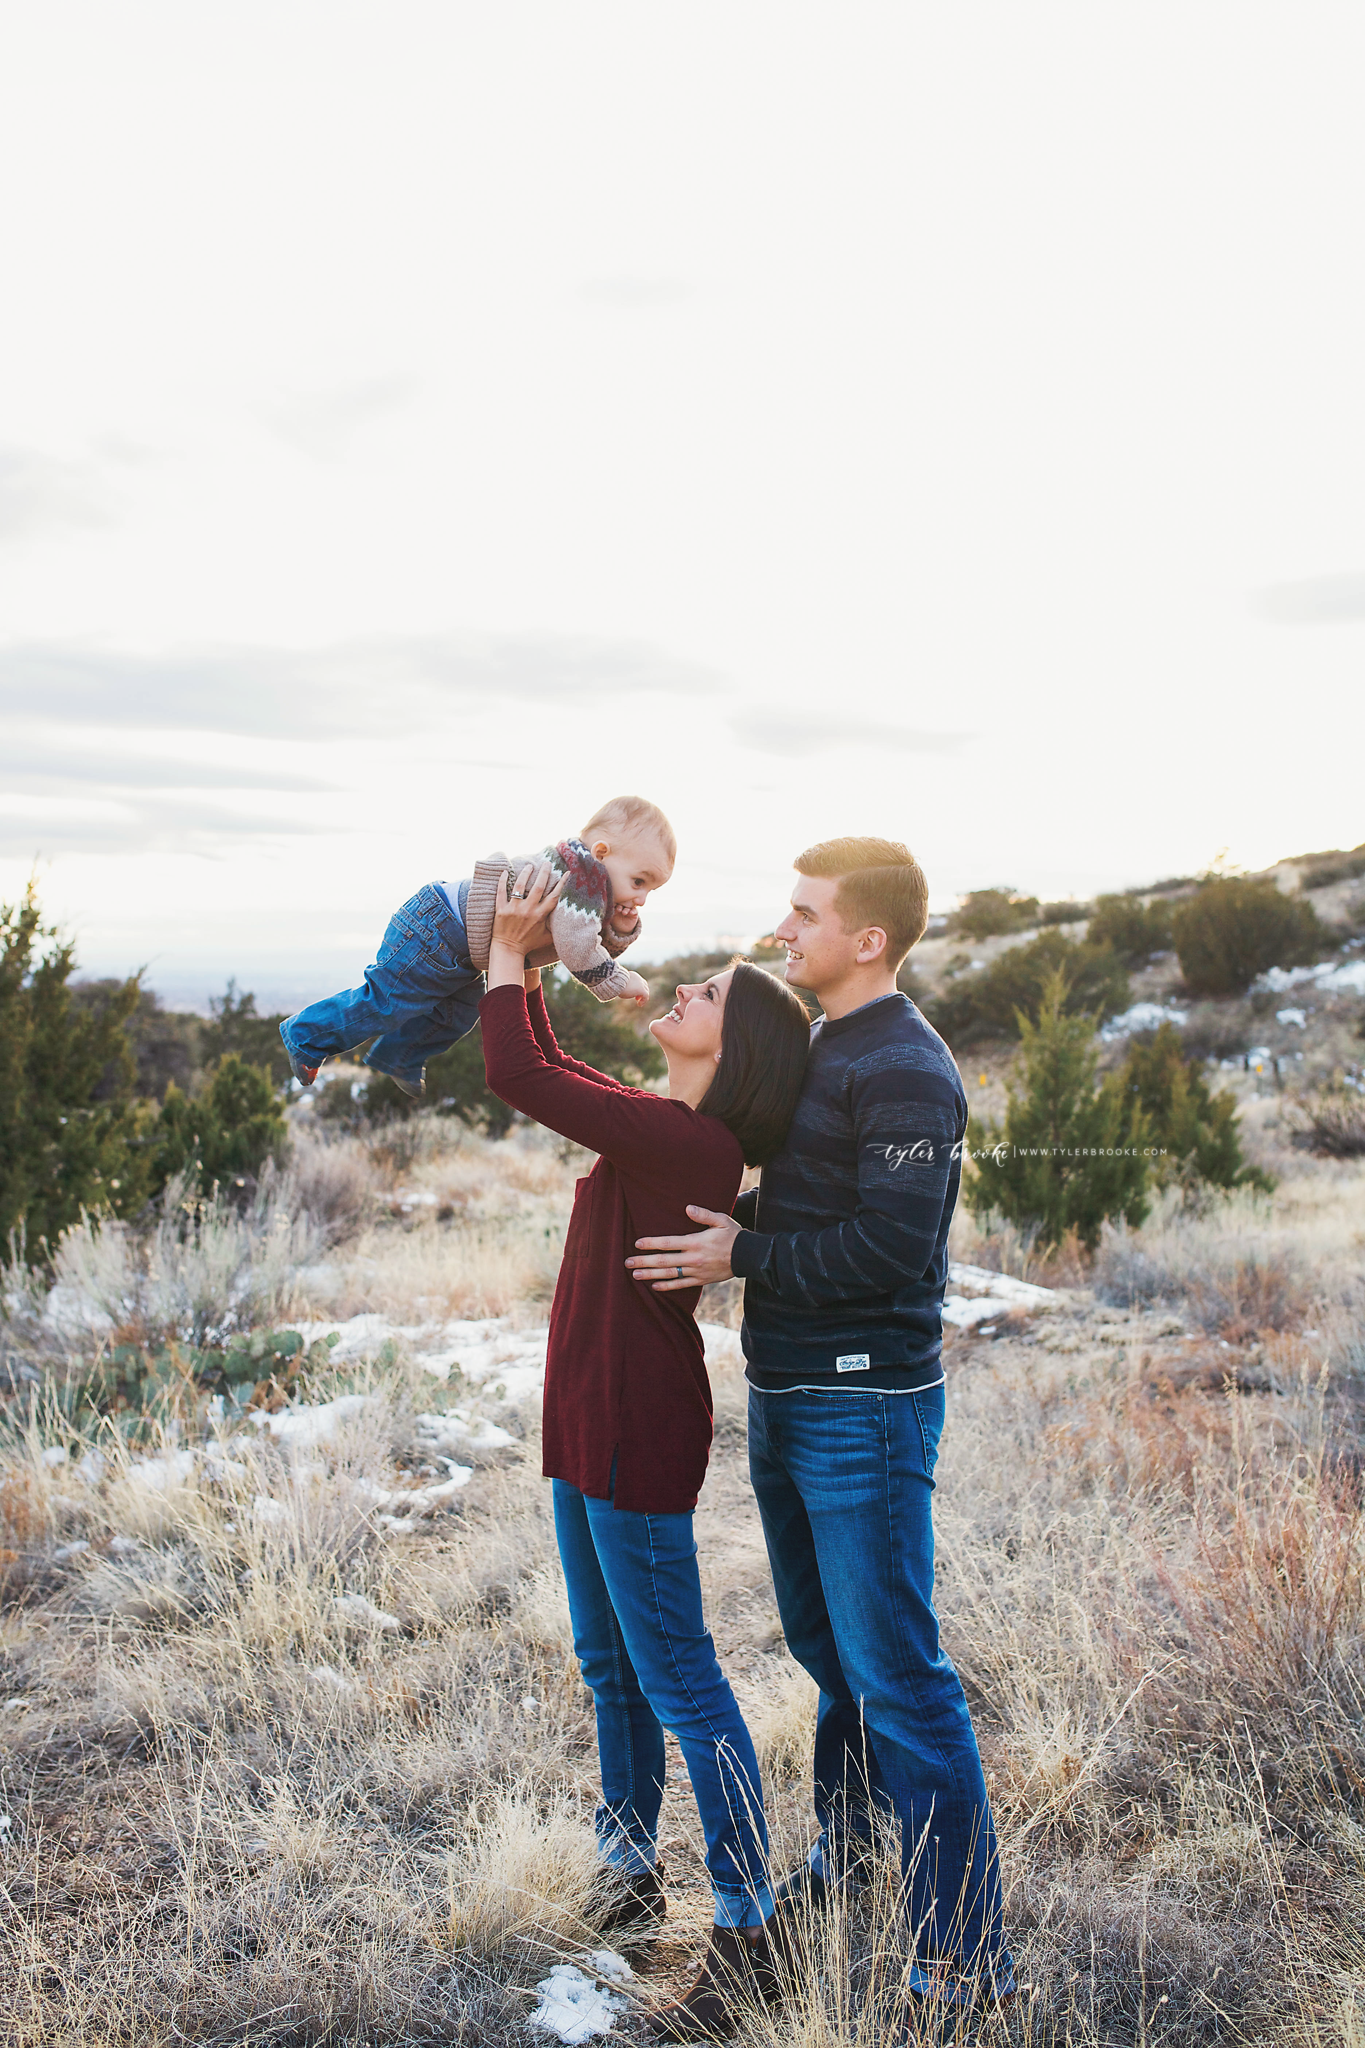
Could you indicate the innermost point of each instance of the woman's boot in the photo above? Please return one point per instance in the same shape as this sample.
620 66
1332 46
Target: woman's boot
636 1903
737 1972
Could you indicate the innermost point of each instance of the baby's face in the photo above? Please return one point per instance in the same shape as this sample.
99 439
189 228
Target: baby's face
636 866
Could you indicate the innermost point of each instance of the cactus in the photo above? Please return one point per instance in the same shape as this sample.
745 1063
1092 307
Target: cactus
258 1366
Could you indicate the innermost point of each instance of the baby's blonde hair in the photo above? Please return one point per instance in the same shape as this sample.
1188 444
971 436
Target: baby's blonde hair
632 816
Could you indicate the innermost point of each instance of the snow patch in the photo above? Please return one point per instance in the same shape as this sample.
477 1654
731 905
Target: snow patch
72 1314
463 1430
982 1295
417 1500
334 1680
722 1345
614 1968
1328 975
573 2006
161 1474
311 1425
1298 1017
1142 1017
362 1613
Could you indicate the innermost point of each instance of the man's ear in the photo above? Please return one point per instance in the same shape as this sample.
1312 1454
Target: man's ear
872 944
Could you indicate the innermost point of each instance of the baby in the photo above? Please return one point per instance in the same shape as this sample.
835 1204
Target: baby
422 993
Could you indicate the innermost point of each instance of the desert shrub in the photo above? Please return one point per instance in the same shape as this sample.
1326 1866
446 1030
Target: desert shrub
1225 1262
1065 910
1071 1153
165 1044
1234 927
235 1027
989 1004
223 1135
1327 868
69 1124
1195 1129
1135 930
193 1266
1332 1122
1222 1031
983 913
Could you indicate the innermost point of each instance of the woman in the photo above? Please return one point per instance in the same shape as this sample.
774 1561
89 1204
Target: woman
628 1415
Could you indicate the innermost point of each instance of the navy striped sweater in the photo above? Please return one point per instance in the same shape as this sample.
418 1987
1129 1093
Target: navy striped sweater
844 1250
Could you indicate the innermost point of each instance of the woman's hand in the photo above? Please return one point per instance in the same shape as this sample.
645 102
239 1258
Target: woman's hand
521 922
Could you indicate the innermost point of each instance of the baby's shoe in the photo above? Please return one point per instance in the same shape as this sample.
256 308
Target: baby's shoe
302 1072
417 1089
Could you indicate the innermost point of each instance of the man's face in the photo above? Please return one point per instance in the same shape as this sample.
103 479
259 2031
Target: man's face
819 950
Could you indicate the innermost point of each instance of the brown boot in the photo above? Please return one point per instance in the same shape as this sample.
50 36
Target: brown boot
635 1902
737 1972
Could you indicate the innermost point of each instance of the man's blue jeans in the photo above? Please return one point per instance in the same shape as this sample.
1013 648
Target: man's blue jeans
420 996
648 1658
844 1483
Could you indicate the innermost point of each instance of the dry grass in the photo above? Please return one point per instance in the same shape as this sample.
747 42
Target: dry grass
277 1773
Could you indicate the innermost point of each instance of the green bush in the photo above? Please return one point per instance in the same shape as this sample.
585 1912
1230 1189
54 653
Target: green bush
69 1124
988 1004
234 1027
983 913
1066 910
1196 1129
1133 929
1070 1152
1234 927
224 1134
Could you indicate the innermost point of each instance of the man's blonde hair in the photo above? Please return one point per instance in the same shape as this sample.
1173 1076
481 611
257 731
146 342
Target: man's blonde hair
880 883
631 817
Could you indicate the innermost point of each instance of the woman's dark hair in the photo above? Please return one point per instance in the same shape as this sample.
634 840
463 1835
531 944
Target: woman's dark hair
764 1040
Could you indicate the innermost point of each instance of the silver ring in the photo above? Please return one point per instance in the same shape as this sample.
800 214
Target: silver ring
516 895
680 1272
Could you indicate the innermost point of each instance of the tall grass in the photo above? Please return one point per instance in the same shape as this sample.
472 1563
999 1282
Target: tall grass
276 1773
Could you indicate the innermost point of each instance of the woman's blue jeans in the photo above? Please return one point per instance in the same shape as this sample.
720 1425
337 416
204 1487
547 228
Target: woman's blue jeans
650 1663
844 1483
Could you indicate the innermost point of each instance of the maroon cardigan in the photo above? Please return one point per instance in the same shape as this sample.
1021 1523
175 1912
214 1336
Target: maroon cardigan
625 1375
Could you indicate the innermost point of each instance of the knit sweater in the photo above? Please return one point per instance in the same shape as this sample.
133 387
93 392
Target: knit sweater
580 924
845 1249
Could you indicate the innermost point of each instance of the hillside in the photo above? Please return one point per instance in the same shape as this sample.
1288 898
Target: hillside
293 1747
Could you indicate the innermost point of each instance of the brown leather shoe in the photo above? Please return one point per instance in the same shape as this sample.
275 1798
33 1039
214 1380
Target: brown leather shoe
737 1972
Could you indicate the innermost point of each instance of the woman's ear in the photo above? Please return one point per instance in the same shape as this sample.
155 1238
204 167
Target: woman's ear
717 1059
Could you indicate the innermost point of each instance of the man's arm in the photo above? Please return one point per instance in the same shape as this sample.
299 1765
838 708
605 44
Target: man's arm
906 1122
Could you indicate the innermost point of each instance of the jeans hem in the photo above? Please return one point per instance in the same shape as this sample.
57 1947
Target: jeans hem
741 1908
626 1855
960 1984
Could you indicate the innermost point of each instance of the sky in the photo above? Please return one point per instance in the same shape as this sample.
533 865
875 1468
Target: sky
420 423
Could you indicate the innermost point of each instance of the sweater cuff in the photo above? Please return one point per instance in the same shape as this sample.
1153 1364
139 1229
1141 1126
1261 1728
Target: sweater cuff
606 980
749 1254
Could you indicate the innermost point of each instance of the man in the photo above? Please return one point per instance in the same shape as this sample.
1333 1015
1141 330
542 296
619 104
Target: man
844 1254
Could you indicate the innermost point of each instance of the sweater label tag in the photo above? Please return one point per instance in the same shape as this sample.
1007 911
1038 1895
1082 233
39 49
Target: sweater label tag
854 1361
